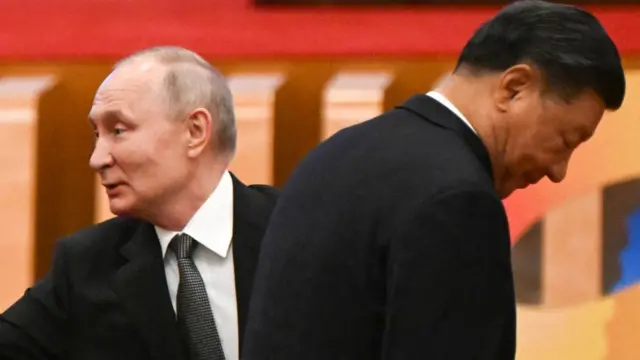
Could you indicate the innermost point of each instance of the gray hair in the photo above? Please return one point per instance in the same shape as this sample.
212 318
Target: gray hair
192 82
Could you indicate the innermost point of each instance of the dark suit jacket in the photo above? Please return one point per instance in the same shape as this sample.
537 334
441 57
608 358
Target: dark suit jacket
106 295
388 242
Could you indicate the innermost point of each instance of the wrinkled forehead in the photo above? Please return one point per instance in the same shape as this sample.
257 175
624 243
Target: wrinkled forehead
127 89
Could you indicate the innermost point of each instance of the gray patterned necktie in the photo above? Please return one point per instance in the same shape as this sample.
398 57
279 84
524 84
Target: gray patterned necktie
195 318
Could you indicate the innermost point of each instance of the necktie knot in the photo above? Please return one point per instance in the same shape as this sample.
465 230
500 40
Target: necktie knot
183 245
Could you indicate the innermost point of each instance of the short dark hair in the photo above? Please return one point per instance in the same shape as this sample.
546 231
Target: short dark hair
567 44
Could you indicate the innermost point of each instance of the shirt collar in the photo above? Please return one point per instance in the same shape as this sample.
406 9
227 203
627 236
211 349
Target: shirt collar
444 101
212 224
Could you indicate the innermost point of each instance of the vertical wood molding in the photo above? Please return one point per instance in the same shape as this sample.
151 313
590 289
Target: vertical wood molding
352 97
19 98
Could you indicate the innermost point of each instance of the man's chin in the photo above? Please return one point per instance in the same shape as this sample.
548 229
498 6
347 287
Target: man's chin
505 193
120 208
511 186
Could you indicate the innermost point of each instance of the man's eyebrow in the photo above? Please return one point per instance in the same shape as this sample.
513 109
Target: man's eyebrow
111 114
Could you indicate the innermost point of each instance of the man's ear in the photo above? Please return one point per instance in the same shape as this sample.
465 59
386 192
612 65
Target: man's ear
515 81
199 124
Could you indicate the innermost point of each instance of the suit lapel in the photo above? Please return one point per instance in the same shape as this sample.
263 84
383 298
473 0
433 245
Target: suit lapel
247 236
142 288
433 111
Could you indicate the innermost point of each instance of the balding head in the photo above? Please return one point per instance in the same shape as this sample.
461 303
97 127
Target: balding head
165 134
190 82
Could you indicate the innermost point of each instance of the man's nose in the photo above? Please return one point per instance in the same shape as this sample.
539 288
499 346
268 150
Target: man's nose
101 157
558 172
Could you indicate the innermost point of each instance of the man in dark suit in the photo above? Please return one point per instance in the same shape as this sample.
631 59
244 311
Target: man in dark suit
171 276
390 240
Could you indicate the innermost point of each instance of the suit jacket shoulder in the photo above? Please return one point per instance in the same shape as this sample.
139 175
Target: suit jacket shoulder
410 153
93 240
261 199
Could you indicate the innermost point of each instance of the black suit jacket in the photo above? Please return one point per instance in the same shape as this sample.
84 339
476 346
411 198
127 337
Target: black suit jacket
106 295
388 242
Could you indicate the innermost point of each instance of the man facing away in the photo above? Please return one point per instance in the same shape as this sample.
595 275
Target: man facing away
171 276
390 240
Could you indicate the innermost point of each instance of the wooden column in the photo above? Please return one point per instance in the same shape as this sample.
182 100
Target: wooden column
299 115
352 97
19 98
101 211
254 101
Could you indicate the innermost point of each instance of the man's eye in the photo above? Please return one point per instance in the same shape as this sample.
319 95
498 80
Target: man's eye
118 131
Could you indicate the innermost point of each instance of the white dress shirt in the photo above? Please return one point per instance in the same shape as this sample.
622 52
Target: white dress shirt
444 101
212 228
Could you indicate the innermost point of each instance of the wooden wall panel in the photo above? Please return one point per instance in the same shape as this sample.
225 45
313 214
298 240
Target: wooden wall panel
254 102
298 110
18 142
413 78
351 97
101 210
65 141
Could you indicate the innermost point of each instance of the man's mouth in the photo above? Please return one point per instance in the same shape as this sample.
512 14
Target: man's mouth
111 186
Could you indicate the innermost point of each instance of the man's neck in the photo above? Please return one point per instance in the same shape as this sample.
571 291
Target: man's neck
177 212
470 98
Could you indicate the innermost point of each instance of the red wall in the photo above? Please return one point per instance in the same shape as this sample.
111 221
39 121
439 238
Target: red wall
234 29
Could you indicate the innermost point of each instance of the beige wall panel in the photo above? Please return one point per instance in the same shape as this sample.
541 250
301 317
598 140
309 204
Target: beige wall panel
18 142
352 97
254 101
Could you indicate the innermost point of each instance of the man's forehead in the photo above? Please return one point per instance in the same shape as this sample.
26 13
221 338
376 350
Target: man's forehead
135 73
128 82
